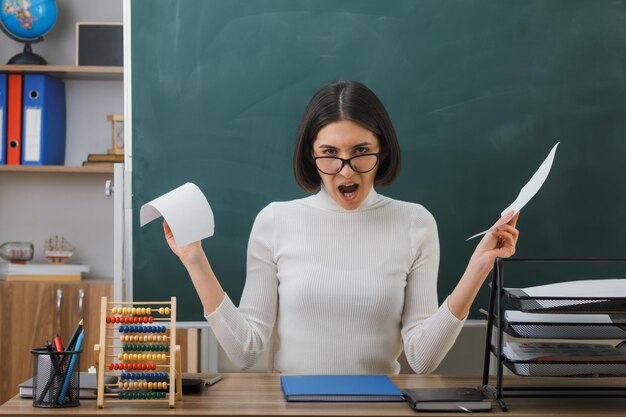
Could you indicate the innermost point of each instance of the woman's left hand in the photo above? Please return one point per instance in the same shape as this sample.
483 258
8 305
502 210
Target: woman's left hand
500 242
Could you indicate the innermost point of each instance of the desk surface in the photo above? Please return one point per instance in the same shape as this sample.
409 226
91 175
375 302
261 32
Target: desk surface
261 395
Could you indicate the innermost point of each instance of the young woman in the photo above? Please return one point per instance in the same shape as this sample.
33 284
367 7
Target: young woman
345 279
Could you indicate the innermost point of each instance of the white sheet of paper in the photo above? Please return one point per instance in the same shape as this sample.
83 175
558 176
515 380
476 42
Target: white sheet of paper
596 288
186 211
599 288
527 192
513 316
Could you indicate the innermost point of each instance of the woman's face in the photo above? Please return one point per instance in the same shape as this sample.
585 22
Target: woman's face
346 139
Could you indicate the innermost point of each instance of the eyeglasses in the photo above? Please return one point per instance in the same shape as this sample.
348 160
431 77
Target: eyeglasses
331 165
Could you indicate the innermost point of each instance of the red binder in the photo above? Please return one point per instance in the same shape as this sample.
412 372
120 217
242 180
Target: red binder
14 119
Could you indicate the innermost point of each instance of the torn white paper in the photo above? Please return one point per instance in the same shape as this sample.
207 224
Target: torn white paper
527 192
186 211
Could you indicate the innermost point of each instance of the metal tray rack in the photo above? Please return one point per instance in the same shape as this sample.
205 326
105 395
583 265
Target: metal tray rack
499 296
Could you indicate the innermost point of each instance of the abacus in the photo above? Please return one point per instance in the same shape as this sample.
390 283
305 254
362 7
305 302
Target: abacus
141 352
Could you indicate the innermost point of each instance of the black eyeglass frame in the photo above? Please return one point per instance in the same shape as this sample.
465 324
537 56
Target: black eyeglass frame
346 161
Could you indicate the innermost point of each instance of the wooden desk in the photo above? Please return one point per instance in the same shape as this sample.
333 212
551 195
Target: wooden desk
261 395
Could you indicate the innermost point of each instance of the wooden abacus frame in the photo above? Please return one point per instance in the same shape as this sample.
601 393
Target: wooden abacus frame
104 351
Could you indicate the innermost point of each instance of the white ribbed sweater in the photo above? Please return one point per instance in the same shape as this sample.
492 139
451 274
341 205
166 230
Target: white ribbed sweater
341 292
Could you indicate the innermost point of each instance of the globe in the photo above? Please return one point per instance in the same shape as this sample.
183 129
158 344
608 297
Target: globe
27 21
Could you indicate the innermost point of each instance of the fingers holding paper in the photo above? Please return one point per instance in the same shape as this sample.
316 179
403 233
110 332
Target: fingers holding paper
169 237
183 251
501 240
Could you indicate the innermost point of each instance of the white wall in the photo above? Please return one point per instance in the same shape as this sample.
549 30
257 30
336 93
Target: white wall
35 206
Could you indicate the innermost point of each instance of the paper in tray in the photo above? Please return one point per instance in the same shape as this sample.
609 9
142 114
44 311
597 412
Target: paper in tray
567 369
565 359
521 300
564 326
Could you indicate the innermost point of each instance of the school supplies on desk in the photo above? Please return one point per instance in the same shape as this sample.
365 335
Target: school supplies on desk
88 386
206 379
447 399
55 373
70 368
340 388
150 372
74 337
55 381
58 344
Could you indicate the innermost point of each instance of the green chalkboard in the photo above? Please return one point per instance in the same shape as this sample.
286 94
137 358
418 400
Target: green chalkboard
479 92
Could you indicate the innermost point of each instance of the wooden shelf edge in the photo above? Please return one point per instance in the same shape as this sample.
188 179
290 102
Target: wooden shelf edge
58 169
70 72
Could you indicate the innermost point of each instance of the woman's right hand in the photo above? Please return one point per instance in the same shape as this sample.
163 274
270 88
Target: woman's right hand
195 261
184 252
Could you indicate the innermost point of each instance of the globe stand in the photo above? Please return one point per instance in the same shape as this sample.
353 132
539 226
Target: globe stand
26 57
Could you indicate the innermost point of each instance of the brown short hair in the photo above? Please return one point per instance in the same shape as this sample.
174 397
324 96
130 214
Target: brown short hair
345 100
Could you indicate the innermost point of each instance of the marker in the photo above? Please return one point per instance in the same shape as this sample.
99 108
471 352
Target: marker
57 343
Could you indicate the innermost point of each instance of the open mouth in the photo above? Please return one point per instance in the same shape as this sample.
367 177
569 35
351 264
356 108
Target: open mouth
348 190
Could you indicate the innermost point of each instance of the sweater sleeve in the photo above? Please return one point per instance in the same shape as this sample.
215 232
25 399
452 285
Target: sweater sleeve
428 332
244 332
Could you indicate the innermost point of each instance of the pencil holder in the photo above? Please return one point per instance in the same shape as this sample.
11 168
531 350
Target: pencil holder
56 378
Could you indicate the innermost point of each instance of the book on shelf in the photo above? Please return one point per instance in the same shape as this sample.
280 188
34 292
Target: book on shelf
98 164
42 272
105 157
40 278
447 399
